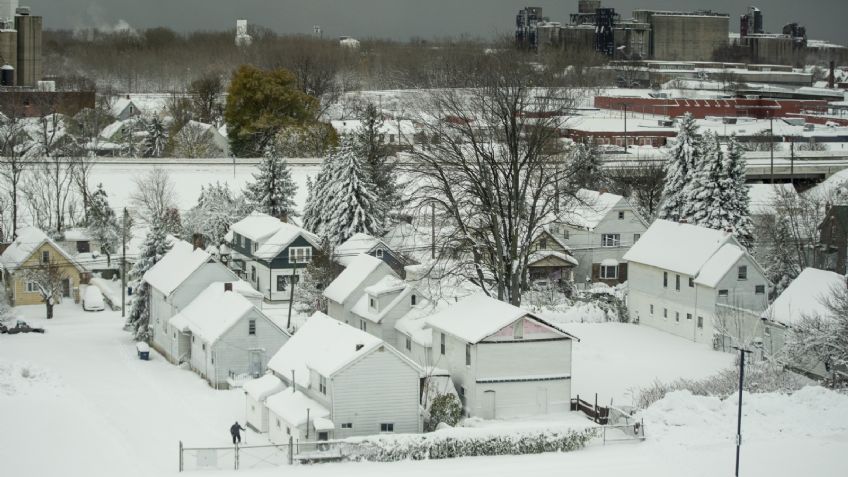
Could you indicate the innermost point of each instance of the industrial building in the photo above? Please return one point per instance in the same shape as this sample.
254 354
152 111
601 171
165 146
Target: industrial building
661 35
20 45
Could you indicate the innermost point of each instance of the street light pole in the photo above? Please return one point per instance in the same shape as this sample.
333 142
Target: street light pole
742 353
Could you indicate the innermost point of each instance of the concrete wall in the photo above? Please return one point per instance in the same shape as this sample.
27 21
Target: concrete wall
687 37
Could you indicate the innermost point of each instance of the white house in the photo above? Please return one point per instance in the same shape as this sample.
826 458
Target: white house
382 304
599 229
225 335
268 253
124 108
175 281
693 281
256 391
504 361
804 297
346 290
342 382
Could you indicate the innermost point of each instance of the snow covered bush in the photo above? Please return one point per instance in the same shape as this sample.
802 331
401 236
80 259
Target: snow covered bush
449 443
444 409
762 377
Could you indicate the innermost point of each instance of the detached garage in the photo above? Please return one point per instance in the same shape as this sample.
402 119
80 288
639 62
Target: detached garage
256 391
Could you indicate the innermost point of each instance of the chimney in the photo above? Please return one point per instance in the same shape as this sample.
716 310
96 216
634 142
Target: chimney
603 190
197 242
359 347
831 77
228 286
128 96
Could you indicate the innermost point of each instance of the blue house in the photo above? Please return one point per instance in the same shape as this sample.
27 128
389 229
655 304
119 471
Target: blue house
369 245
269 253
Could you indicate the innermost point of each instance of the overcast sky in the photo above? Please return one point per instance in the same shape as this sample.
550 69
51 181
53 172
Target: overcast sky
402 19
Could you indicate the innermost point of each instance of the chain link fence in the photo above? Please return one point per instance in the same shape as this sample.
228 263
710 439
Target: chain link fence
239 457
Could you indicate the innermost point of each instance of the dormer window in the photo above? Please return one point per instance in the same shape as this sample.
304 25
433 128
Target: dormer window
372 302
412 300
543 244
45 256
378 253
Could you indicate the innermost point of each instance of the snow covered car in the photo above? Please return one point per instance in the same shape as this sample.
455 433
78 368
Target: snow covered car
93 299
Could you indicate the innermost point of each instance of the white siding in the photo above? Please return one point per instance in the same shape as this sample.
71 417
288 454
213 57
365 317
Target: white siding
379 388
341 311
520 399
256 414
232 351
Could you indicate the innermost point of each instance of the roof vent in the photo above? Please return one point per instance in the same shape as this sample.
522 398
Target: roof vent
359 347
228 286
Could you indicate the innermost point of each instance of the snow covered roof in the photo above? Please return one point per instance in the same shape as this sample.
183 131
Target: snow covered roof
359 269
286 234
120 105
478 317
176 266
256 226
414 323
387 284
356 244
28 240
324 345
292 407
592 208
215 310
261 388
682 248
719 264
77 234
543 254
804 296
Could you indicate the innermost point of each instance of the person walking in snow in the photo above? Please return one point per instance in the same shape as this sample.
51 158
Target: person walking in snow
235 432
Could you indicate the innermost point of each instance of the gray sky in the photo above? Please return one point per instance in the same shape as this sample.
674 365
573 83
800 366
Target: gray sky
401 19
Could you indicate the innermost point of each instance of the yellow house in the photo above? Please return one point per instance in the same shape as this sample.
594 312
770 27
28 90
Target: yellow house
30 249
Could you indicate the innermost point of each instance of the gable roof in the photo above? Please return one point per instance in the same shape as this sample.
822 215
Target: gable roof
479 316
677 247
719 264
215 310
262 387
356 244
324 345
256 226
357 271
296 407
804 296
284 236
387 284
592 208
543 254
28 240
176 266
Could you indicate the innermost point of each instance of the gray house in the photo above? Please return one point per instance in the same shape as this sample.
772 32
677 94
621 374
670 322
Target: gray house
382 304
360 243
346 290
175 281
227 338
341 382
696 283
270 253
504 361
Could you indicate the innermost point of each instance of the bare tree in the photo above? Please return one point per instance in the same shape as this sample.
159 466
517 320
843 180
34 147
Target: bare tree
642 182
736 327
497 172
12 162
154 196
193 140
206 94
49 279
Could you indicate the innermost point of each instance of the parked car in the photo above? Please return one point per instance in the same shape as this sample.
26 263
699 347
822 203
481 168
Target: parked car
23 327
93 299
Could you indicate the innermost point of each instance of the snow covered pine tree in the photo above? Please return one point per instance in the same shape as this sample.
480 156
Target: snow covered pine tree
685 156
102 223
155 247
273 189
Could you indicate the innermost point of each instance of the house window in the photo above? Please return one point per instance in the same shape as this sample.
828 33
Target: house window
652 309
677 282
518 330
192 337
378 253
742 272
665 279
677 316
462 394
252 273
32 287
611 240
665 312
442 343
543 244
408 344
688 316
468 354
609 272
636 237
412 300
255 247
204 346
281 283
288 430
322 385
760 289
700 322
251 327
347 425
363 325
45 256
691 282
300 254
372 302
722 293
621 215
387 427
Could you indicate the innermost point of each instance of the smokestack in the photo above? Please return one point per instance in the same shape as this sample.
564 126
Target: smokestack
228 286
831 77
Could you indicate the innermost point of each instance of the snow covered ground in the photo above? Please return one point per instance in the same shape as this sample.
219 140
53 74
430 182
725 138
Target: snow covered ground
76 401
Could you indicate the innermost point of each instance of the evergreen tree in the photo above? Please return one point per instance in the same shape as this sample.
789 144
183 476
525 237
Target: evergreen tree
157 138
376 157
737 199
316 214
352 200
587 160
321 271
701 188
102 223
155 247
273 189
215 212
779 257
681 163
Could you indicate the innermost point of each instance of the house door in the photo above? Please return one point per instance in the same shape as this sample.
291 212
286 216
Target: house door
489 404
66 288
255 362
542 400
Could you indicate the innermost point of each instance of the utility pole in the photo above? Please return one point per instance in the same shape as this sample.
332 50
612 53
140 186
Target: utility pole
291 296
625 127
742 353
771 144
124 264
433 230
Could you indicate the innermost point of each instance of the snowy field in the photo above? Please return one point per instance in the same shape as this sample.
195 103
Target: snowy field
76 401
